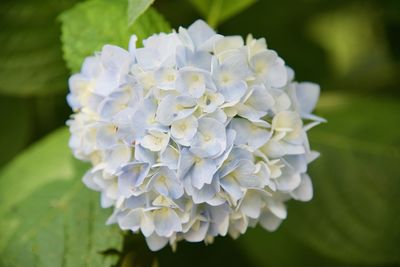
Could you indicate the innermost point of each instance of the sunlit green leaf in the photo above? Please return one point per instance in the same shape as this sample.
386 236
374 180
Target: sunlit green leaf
136 8
47 216
30 55
90 25
217 11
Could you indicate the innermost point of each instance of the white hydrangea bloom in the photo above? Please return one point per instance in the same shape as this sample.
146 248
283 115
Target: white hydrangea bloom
194 135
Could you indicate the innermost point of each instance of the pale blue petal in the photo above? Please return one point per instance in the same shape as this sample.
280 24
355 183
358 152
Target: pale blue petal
197 235
115 59
147 58
131 176
288 182
297 163
116 157
106 135
210 139
130 220
307 95
202 172
144 155
169 157
200 32
166 183
173 108
249 133
186 57
135 202
185 163
233 92
166 222
206 193
257 105
232 161
88 180
251 204
232 187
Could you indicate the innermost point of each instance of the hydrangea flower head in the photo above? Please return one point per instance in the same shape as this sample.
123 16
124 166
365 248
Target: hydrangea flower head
193 135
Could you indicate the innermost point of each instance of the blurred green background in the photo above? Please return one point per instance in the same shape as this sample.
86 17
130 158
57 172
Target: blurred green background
350 47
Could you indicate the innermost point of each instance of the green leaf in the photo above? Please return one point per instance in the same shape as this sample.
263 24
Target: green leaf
136 8
217 11
355 214
90 25
281 249
18 127
355 45
30 55
47 216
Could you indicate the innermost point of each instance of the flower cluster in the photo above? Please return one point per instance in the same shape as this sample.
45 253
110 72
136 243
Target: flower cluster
193 135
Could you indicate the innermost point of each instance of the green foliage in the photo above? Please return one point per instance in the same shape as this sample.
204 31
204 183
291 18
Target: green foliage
48 217
90 25
16 134
355 213
217 11
136 8
30 55
353 38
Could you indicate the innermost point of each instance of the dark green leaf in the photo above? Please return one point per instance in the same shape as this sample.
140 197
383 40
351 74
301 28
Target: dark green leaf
30 55
90 25
48 217
217 11
281 249
17 128
355 214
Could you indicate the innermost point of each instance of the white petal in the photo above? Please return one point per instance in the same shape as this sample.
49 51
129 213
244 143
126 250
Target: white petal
197 235
277 208
147 225
286 121
156 242
228 43
304 192
155 140
269 221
